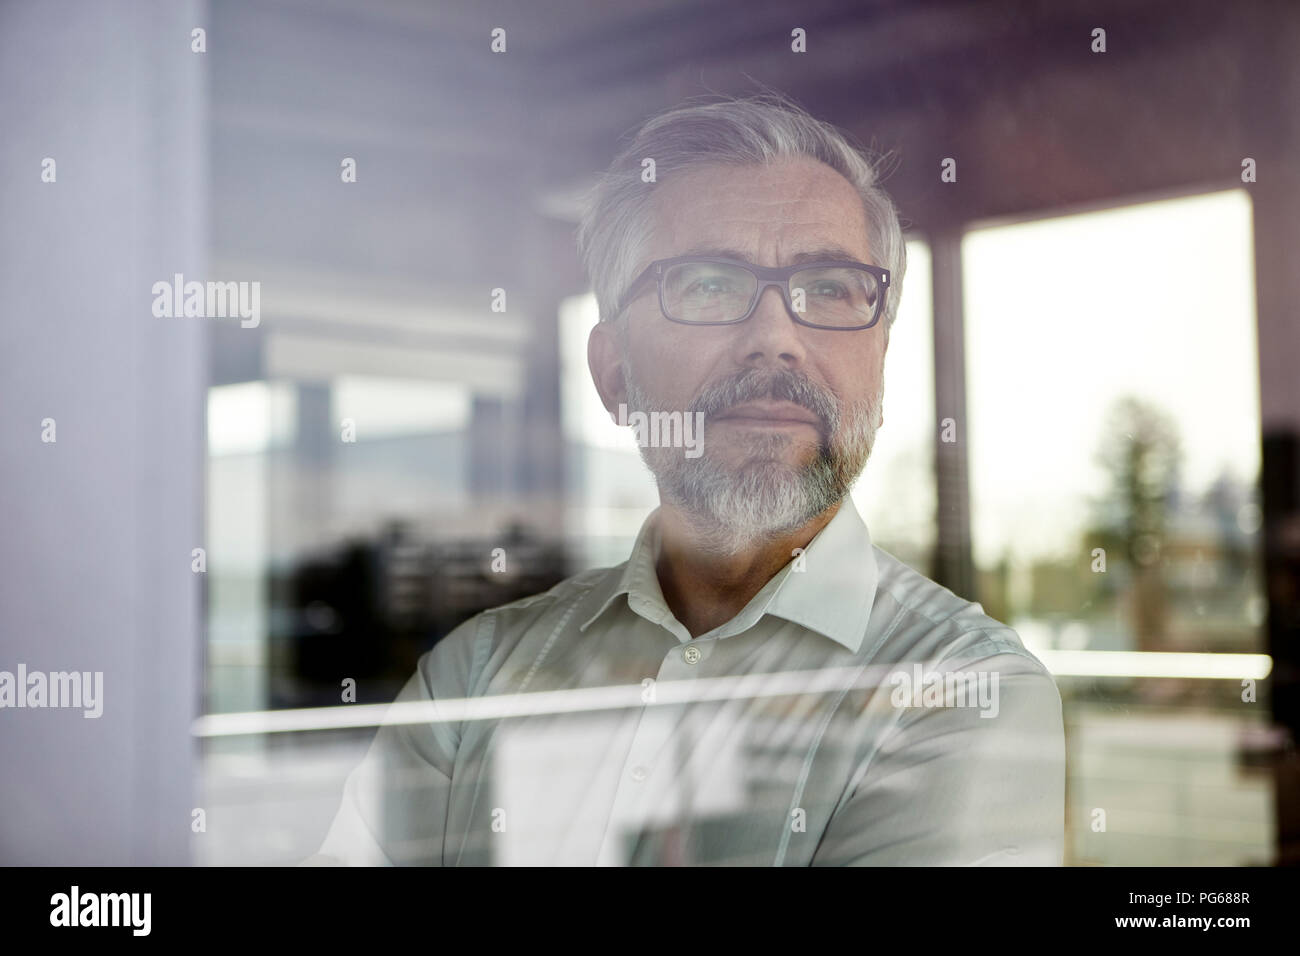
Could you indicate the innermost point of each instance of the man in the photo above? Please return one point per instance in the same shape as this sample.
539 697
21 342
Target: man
758 683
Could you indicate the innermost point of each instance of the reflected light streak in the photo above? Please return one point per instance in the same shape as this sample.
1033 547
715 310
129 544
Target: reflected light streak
1060 663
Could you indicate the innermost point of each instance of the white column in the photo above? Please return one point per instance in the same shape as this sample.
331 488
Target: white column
98 525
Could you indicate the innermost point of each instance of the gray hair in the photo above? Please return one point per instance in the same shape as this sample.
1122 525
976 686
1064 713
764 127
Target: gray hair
758 130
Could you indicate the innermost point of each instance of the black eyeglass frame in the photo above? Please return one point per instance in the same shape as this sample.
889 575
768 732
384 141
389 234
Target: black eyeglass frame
779 277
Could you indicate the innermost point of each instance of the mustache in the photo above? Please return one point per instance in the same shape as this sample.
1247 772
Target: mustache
781 385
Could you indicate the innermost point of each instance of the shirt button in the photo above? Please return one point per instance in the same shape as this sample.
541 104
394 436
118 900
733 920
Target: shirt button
692 654
639 773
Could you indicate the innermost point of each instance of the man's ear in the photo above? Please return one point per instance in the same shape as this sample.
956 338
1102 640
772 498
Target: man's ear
605 359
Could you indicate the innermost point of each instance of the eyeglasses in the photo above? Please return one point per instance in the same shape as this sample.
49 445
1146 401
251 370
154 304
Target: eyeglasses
703 290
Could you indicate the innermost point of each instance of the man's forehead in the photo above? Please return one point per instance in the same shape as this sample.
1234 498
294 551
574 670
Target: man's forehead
797 210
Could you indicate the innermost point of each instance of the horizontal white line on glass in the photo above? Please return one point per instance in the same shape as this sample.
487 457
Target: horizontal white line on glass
1060 663
1156 664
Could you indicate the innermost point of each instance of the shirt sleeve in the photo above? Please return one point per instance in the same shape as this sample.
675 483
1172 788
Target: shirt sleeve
950 786
395 802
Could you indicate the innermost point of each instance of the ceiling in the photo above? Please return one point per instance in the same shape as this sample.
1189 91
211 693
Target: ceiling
469 161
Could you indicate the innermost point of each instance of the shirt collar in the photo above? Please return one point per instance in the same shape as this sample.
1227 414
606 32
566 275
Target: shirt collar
832 595
639 580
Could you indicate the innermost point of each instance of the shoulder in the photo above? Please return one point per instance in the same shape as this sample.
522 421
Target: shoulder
566 598
464 652
923 621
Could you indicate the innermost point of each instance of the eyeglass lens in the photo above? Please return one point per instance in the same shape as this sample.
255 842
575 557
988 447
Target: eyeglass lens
836 297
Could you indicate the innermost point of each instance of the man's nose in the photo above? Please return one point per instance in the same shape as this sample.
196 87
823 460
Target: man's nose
769 337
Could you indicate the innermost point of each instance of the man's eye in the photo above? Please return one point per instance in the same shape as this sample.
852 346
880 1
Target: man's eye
831 290
709 286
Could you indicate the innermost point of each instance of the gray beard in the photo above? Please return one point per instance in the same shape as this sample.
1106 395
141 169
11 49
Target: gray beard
736 507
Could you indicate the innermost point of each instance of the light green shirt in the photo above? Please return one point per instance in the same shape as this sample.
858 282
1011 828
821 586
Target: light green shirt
854 712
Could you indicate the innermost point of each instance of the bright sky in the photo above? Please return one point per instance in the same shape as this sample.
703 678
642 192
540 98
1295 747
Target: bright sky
1064 315
896 494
